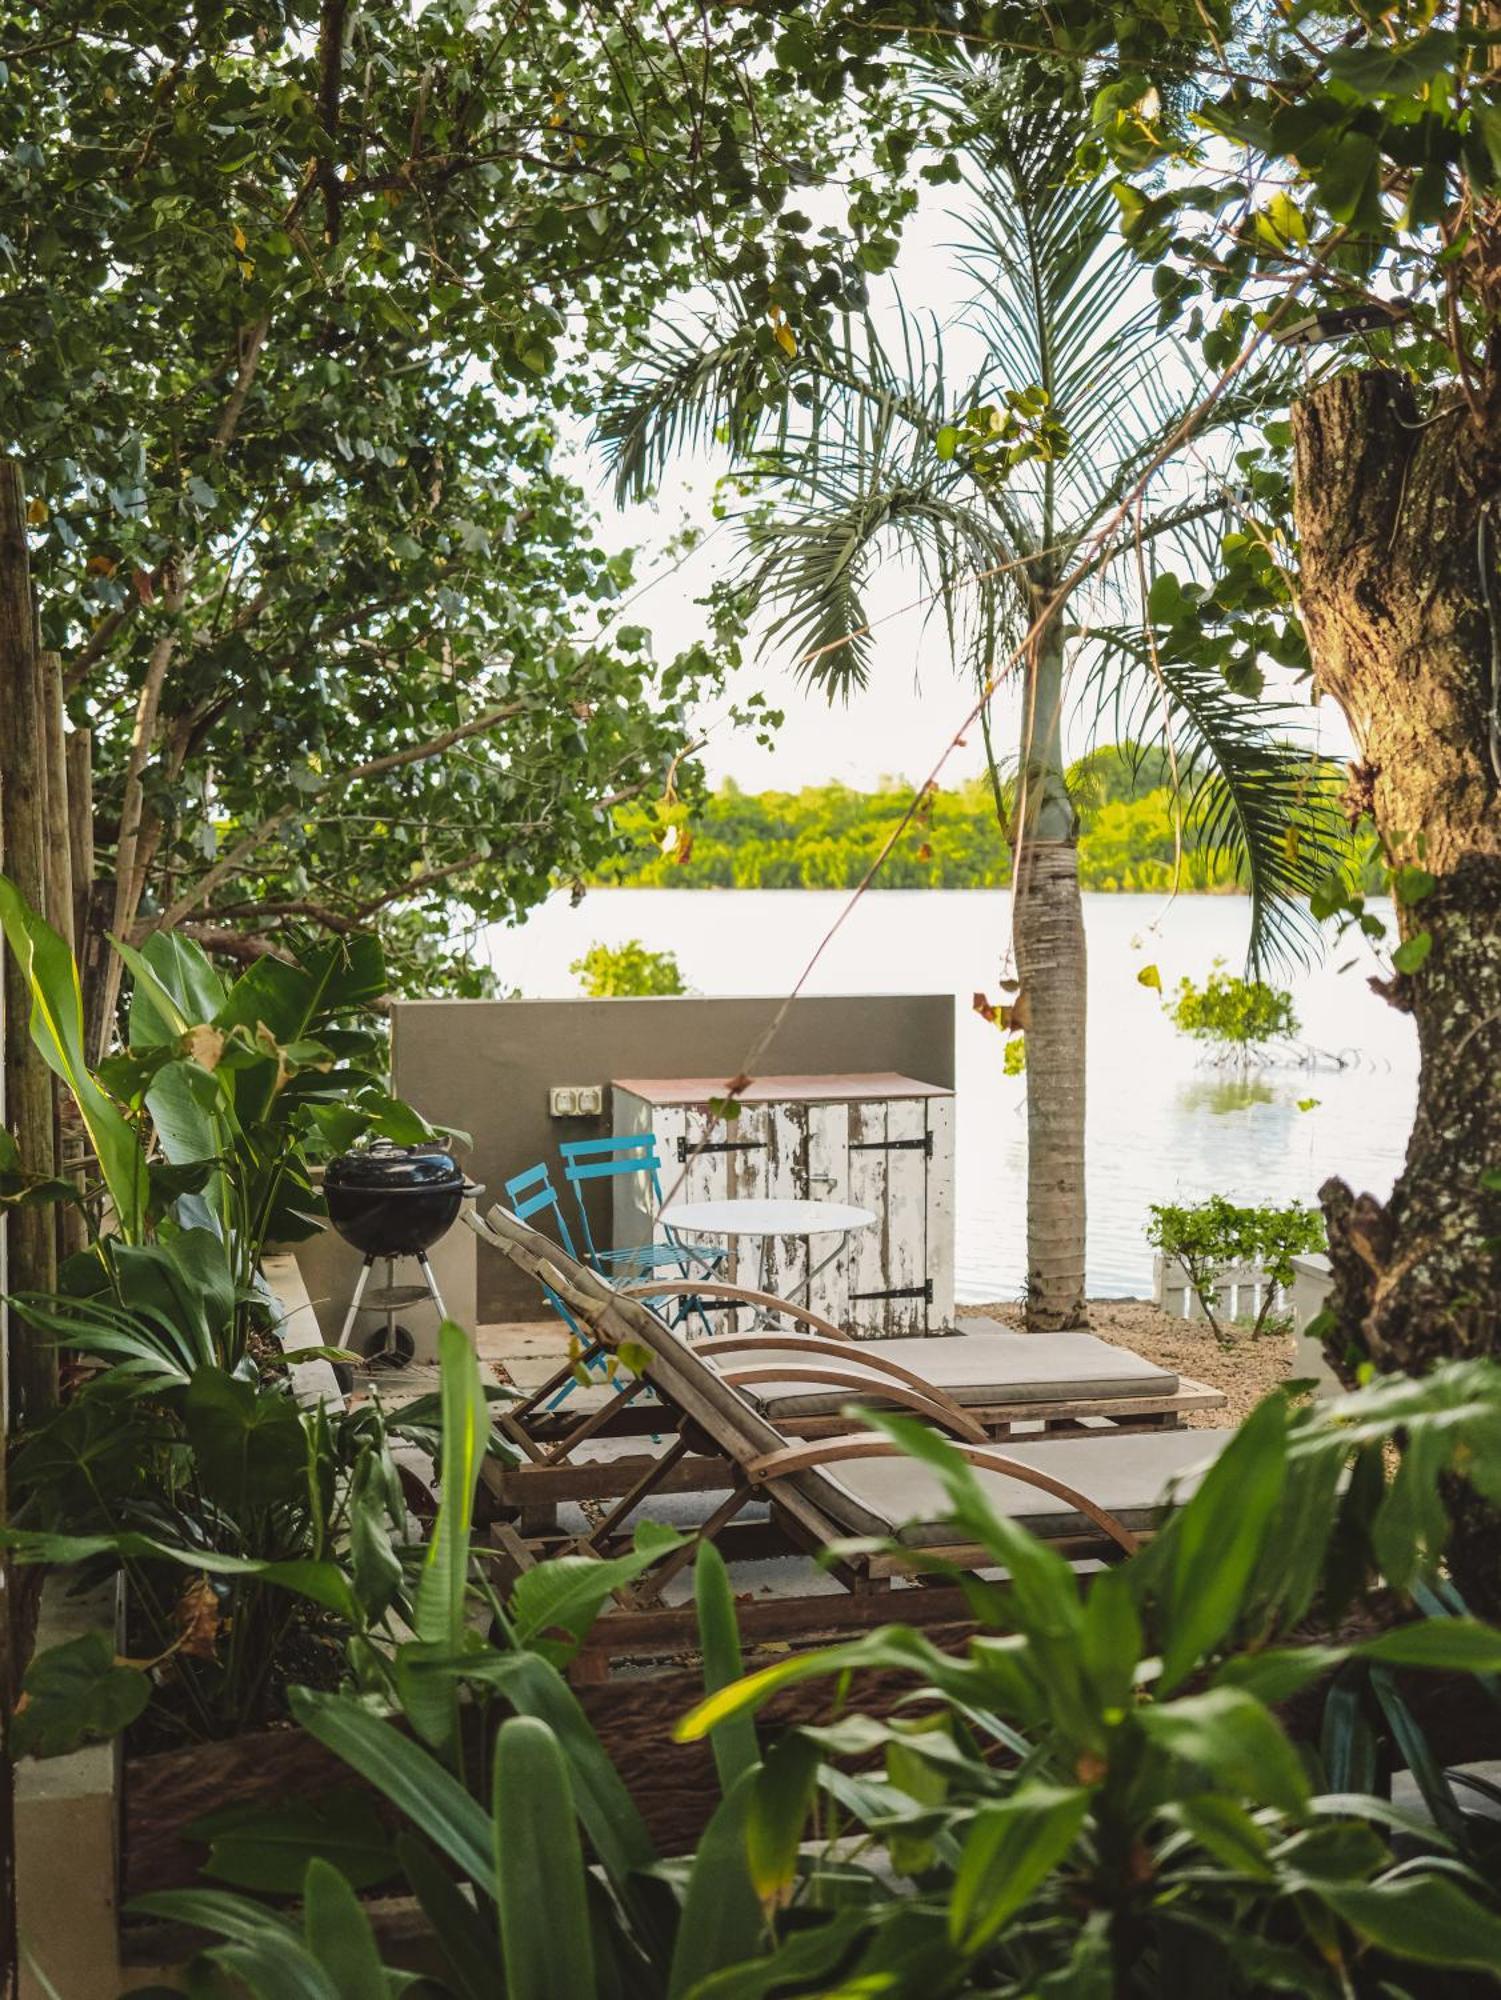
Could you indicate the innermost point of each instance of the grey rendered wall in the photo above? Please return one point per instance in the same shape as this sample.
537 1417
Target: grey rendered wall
487 1065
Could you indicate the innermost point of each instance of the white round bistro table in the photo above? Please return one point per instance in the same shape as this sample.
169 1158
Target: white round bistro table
766 1217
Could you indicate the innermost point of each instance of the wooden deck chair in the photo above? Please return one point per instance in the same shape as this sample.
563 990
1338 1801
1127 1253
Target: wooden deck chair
819 1493
1067 1383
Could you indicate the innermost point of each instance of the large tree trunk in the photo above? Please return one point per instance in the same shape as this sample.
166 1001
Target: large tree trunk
1402 600
1048 932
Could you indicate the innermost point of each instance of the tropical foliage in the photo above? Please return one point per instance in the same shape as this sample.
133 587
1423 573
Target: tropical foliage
1233 1013
1096 1797
1132 836
298 299
1207 1237
627 971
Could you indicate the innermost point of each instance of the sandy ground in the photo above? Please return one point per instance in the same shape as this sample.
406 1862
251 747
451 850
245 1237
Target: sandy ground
1246 1370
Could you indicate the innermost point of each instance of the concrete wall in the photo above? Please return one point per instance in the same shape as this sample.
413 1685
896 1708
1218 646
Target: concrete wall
487 1066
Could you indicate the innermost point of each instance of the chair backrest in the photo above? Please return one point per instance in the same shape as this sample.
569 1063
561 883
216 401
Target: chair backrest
586 1160
532 1193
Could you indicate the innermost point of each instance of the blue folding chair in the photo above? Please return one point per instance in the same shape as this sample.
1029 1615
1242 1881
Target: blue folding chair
586 1160
532 1193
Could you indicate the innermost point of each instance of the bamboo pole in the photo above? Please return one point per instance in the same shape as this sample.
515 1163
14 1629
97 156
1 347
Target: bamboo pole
57 847
31 1365
78 757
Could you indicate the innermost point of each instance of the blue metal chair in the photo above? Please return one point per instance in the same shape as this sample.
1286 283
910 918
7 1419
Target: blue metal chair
586 1160
532 1193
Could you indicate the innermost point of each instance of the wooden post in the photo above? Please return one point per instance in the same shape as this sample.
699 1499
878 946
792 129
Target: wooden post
78 760
32 1365
57 848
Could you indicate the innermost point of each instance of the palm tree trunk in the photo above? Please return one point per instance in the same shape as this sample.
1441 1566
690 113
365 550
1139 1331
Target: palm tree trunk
1048 932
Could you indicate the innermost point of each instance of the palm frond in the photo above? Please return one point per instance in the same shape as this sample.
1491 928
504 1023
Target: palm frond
694 387
1250 789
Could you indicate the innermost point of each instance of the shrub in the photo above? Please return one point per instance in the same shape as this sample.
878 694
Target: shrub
1237 1014
627 971
1212 1233
1097 1797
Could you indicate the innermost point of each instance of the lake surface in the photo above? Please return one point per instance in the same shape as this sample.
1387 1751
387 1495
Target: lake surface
1164 1123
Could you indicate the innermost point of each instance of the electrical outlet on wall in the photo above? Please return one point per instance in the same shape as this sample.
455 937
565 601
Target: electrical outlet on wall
581 1100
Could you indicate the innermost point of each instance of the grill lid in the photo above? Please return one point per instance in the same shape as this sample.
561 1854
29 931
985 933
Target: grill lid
385 1168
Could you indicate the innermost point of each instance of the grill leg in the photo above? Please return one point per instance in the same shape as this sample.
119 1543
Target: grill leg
432 1284
354 1303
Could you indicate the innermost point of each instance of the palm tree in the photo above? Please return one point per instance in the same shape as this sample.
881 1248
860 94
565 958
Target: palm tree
1002 491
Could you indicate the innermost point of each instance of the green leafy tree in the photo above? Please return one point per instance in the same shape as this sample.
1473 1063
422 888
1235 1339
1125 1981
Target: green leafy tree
294 299
1209 1235
999 490
627 971
1237 1014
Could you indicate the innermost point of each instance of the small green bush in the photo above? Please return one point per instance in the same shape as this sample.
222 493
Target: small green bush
1237 1014
1209 1234
627 971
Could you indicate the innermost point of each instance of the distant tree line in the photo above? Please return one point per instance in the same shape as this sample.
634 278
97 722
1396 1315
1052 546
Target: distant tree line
826 836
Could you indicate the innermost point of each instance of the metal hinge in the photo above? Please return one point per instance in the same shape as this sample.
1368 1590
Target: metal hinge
923 1291
922 1145
688 1149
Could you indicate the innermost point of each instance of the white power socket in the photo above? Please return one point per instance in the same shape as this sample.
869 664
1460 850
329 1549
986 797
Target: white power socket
575 1100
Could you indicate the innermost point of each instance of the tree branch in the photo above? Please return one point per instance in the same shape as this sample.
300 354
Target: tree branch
416 753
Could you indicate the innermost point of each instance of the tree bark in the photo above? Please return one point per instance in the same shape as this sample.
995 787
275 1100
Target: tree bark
1048 932
28 1084
1399 521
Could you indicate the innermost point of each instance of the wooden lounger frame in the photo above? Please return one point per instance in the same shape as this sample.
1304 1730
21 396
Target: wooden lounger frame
548 1474
755 1462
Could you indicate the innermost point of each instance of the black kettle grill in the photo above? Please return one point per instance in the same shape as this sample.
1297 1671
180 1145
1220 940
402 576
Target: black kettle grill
394 1201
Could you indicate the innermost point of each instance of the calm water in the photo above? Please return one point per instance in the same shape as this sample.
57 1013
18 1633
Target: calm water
1163 1123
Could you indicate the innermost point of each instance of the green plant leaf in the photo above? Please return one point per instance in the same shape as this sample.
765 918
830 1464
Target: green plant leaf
339 1934
249 1445
1427 1918
734 1742
1217 1538
778 1811
565 1595
402 1771
1234 1741
268 1847
539 1867
76 1693
57 1030
721 1921
1009 1851
466 1941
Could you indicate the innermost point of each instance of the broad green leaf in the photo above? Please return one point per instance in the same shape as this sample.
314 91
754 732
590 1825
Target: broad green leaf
57 1030
1217 1538
466 1941
409 1776
565 1595
539 1867
778 1811
1460 1645
1011 1848
248 1444
339 1935
1427 1918
1228 1831
268 1847
721 1922
734 1742
76 1693
1234 1741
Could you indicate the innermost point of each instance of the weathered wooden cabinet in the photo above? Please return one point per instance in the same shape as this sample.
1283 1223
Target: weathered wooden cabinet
882 1142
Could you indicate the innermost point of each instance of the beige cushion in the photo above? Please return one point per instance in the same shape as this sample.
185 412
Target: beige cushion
1127 1476
976 1368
